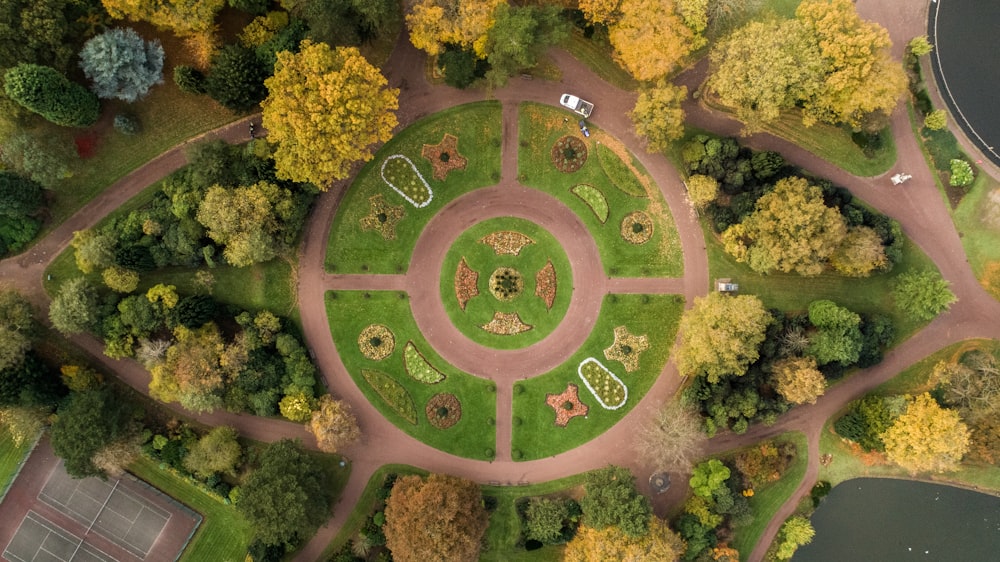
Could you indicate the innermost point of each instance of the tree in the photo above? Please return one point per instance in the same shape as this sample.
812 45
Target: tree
961 173
88 422
287 497
436 23
19 195
121 65
93 250
795 532
17 328
671 440
74 308
650 38
23 425
191 372
601 545
326 110
36 31
798 380
612 500
926 437
237 78
936 120
30 383
860 253
183 17
333 424
45 91
919 46
658 116
439 517
702 190
765 67
721 334
791 229
545 519
120 279
517 36
922 295
189 79
113 458
838 333
218 451
708 477
245 220
866 421
44 160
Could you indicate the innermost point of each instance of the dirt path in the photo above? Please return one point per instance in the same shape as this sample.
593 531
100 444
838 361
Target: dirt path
918 206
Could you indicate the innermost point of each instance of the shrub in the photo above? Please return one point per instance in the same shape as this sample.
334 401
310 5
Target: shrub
936 120
961 173
127 124
45 91
189 79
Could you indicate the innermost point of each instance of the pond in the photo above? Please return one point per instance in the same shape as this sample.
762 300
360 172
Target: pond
888 520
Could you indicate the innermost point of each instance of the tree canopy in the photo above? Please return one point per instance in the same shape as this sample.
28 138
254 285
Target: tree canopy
838 333
798 380
88 422
45 91
120 64
246 220
217 451
922 295
333 424
436 23
600 545
440 517
327 109
183 17
657 115
17 328
673 439
927 437
612 500
721 334
74 308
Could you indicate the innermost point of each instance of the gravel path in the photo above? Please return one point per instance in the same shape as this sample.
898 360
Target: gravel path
918 206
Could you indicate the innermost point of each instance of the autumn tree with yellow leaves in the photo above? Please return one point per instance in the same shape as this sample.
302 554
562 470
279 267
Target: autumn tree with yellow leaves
333 424
326 109
435 23
610 543
183 17
798 380
927 437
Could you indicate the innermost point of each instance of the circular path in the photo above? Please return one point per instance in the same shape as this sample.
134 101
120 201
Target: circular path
918 207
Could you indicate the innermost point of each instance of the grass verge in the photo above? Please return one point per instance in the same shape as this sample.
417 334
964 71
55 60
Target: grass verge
539 127
596 54
535 434
474 436
11 457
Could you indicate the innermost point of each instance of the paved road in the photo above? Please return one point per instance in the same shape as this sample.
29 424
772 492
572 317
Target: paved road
919 207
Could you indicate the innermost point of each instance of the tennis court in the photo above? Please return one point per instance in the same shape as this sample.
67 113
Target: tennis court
40 540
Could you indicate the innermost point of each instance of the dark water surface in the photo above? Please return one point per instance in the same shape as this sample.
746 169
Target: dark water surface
886 520
966 61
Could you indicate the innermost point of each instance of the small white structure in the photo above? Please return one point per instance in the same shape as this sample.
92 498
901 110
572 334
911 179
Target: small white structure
900 178
726 286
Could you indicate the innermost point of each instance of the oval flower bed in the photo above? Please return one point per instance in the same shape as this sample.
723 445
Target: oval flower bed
418 367
376 342
443 410
569 154
610 392
393 393
594 199
404 178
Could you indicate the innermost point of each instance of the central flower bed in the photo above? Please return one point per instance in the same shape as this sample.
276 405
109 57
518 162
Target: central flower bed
506 284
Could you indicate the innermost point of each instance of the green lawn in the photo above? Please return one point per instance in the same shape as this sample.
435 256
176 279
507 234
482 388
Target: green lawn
535 434
11 457
767 499
474 436
352 250
596 54
791 292
482 258
223 535
834 144
539 127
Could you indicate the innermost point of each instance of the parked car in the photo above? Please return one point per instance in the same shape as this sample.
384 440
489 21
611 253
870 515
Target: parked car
576 104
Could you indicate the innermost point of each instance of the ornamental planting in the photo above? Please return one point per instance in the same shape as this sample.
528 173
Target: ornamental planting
610 392
404 178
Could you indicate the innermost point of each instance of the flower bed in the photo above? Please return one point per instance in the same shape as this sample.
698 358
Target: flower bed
404 178
505 324
382 217
466 283
610 392
567 405
443 410
569 154
376 342
619 173
444 156
506 242
627 348
394 394
417 366
506 284
594 199
637 228
545 284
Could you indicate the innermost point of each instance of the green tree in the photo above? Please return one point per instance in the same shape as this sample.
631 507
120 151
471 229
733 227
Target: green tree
791 229
919 46
838 333
42 159
88 422
120 279
30 383
866 421
702 190
708 477
17 328
93 250
612 500
672 439
74 308
936 120
922 295
19 195
191 372
927 437
961 173
246 220
798 380
218 451
36 31
287 497
519 34
544 519
237 78
658 116
795 532
45 91
721 334
439 517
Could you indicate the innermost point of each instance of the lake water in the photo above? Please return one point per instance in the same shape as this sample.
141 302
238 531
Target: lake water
886 520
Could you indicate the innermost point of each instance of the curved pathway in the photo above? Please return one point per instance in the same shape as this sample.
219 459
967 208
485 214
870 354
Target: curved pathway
918 206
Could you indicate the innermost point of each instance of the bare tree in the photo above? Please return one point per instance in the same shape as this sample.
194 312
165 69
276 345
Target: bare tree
673 439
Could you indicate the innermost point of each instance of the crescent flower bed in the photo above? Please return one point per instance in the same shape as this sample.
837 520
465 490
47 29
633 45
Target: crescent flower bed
382 217
569 154
417 366
404 178
545 284
466 283
506 242
506 324
443 410
637 228
394 394
610 392
376 342
594 199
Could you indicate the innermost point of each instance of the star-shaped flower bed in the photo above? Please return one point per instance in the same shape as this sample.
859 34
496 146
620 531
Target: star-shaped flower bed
444 156
382 217
627 348
567 405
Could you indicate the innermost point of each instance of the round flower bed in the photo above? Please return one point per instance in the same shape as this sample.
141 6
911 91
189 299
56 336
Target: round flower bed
637 228
506 283
443 410
569 154
376 342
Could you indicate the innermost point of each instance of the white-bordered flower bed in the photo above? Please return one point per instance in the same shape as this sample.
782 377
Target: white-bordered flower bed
610 392
418 194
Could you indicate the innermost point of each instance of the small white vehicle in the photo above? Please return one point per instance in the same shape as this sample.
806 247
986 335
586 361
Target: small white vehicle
576 104
900 178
